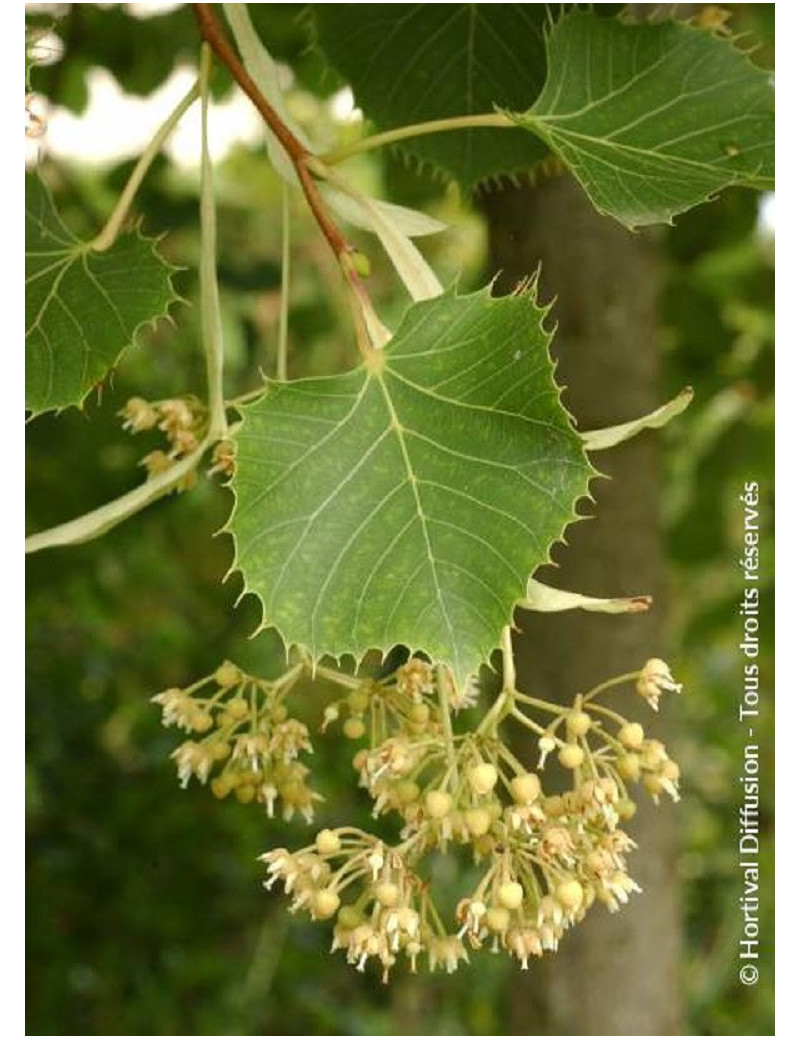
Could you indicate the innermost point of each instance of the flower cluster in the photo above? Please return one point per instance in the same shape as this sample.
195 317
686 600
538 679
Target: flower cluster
244 736
392 914
547 857
183 422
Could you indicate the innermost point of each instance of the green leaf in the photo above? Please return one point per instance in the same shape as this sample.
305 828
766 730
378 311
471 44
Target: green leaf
410 63
82 308
409 500
653 119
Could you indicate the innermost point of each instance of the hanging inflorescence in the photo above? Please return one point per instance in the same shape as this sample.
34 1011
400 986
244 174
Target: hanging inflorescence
545 857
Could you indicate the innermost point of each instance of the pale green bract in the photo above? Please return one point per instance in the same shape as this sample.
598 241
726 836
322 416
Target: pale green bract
82 307
653 119
408 500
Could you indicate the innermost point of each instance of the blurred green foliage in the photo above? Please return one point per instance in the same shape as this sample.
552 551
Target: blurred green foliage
145 912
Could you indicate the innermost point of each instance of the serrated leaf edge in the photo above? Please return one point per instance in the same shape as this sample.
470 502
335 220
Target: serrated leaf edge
484 655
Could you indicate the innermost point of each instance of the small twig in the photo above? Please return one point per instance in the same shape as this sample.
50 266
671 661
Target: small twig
299 155
283 326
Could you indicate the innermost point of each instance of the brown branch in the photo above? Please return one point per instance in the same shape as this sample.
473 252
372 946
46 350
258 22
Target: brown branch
212 32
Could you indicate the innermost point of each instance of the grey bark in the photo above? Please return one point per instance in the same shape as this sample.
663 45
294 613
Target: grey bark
615 974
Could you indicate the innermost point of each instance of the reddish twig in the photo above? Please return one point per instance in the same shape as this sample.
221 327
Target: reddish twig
212 32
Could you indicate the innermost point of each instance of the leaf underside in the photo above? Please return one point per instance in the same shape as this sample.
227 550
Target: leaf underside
410 63
82 308
652 119
409 501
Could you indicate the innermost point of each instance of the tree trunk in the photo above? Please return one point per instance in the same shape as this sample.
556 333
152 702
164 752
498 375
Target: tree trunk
614 974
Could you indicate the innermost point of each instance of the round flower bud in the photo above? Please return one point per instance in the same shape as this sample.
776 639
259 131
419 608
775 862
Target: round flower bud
201 721
510 895
227 675
629 766
554 805
219 750
497 919
354 729
387 894
358 701
525 788
570 894
478 821
278 713
406 791
578 723
631 735
324 903
653 784
349 917
438 804
419 713
245 793
600 862
221 786
328 843
626 809
483 777
237 707
654 754
571 756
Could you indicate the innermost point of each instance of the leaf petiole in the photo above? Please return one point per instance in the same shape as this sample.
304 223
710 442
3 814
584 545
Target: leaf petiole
491 120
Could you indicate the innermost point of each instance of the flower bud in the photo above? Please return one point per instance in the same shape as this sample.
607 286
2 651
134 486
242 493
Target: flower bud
406 791
497 919
438 804
570 894
349 917
328 843
631 735
245 793
571 756
324 903
237 707
227 675
354 729
510 895
358 700
629 766
201 721
482 778
478 821
387 894
419 712
626 809
221 786
525 788
578 723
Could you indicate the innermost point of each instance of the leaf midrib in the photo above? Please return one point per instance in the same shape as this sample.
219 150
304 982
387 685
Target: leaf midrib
397 426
